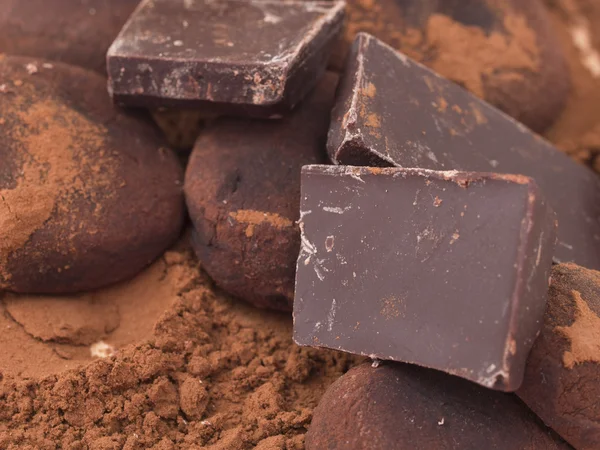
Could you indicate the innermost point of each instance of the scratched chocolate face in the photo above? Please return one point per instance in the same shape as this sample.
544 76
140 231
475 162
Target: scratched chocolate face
447 270
391 111
245 57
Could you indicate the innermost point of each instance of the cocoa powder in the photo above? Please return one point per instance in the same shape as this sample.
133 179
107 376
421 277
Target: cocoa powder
577 131
472 56
214 373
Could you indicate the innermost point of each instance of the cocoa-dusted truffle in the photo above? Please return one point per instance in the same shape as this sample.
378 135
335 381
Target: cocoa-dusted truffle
89 196
76 32
242 189
398 406
504 51
563 370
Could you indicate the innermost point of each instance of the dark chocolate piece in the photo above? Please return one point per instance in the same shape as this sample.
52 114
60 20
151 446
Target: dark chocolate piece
242 188
77 32
253 57
504 51
88 195
562 377
391 111
402 407
447 270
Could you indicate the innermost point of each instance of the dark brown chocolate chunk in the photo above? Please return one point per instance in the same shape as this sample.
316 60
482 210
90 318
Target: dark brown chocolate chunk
71 31
88 196
504 51
398 406
391 111
251 57
563 370
243 189
446 270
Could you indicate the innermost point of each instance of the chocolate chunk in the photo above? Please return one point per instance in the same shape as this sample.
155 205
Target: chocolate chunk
250 57
504 51
75 32
397 406
563 369
242 189
87 195
446 270
391 111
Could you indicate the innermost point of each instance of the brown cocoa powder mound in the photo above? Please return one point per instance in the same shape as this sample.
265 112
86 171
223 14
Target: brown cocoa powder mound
577 130
44 335
215 374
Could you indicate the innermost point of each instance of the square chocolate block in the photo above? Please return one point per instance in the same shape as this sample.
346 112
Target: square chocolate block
248 57
447 270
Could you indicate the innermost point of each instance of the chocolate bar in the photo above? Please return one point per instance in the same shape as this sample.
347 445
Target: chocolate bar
402 407
391 111
252 57
447 270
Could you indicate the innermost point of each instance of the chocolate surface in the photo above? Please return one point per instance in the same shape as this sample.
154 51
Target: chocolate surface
403 407
563 368
391 111
242 189
447 270
77 32
88 194
241 57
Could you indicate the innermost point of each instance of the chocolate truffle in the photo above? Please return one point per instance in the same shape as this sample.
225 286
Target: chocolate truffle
242 189
563 370
397 406
89 196
75 32
504 51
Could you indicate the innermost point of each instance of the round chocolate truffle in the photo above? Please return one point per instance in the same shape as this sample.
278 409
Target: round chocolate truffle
503 51
70 31
88 196
399 406
563 369
242 189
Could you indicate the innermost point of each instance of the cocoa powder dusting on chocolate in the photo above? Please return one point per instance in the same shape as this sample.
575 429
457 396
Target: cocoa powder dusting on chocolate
213 374
465 54
470 56
53 141
253 217
583 334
